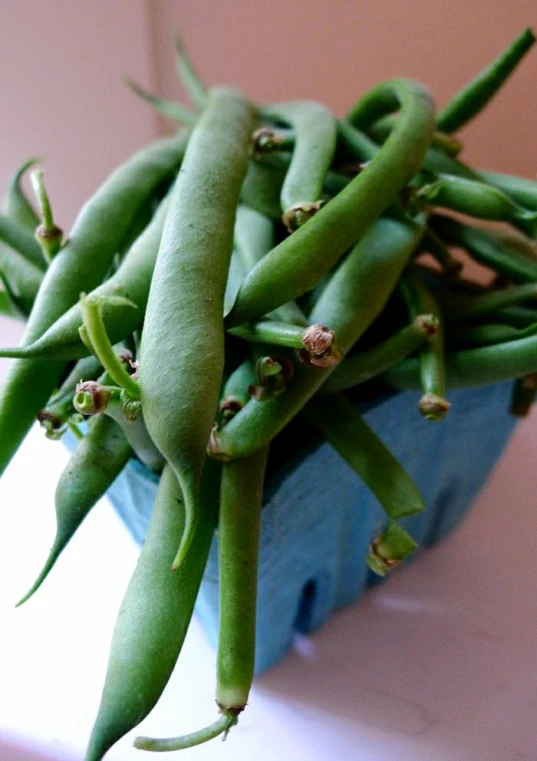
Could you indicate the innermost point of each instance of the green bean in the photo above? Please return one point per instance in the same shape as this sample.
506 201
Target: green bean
474 199
135 432
22 279
155 613
131 281
512 239
174 111
254 238
523 395
474 96
345 429
432 405
262 187
188 76
297 264
474 367
20 239
354 297
522 190
238 540
315 144
449 145
7 308
81 264
483 335
488 303
363 366
16 205
183 335
239 529
93 466
520 317
485 249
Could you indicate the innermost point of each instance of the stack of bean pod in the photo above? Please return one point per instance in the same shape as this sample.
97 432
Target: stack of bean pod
264 264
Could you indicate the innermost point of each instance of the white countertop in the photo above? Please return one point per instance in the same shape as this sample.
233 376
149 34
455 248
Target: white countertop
439 664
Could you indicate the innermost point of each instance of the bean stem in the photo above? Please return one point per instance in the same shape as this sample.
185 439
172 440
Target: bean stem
96 331
474 96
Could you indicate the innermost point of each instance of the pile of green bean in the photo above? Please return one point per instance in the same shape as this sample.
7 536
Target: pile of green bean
263 263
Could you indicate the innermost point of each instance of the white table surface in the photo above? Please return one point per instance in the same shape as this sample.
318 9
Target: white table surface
439 664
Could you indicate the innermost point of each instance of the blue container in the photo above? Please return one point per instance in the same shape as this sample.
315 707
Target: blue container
319 518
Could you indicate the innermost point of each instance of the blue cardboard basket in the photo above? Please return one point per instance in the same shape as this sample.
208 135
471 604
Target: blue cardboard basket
319 518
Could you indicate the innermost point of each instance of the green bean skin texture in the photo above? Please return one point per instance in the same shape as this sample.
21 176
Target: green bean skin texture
354 297
155 613
81 264
98 459
485 249
262 186
136 434
315 144
474 199
344 428
297 264
239 532
474 367
469 101
365 365
132 281
16 205
489 303
22 240
522 190
254 238
182 351
483 335
24 278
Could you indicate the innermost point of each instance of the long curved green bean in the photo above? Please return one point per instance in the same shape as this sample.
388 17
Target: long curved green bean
81 264
315 144
183 335
489 303
474 367
239 529
474 96
297 264
96 462
356 294
345 429
155 613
